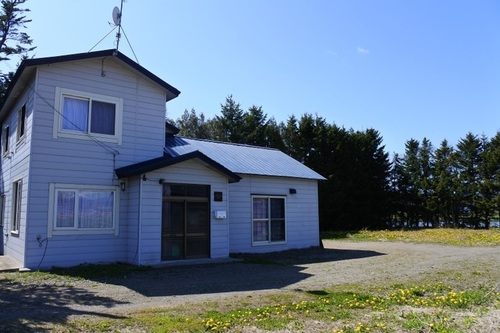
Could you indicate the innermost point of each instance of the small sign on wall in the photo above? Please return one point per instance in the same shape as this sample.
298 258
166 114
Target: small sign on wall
220 214
217 196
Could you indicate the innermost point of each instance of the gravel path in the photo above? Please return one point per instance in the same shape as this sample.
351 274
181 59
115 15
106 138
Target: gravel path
339 262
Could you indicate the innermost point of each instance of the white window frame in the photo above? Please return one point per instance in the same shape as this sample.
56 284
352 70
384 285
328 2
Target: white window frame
54 231
269 241
17 202
59 132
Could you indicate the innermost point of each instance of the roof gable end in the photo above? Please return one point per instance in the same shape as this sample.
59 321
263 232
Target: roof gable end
28 65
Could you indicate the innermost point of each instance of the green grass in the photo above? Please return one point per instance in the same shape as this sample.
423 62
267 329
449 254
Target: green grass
450 301
91 271
457 237
415 306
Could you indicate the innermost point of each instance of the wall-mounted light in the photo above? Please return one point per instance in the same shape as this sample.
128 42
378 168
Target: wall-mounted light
161 181
292 191
122 186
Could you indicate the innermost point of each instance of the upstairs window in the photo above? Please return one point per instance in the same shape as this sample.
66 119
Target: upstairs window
5 139
86 115
21 123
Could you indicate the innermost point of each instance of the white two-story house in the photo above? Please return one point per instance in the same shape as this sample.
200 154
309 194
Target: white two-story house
91 173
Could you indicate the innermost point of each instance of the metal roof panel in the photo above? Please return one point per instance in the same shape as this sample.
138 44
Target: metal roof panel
243 159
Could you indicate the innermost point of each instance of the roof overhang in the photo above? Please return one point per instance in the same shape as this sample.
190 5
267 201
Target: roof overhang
27 69
165 161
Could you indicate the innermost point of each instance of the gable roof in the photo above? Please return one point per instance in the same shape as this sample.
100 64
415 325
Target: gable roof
243 159
28 66
164 161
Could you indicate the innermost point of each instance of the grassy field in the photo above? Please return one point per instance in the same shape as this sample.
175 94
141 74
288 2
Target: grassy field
459 237
465 299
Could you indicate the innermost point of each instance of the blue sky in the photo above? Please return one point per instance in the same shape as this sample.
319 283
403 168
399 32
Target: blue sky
409 69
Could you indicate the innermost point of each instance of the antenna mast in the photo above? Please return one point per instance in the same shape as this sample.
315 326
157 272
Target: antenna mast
117 19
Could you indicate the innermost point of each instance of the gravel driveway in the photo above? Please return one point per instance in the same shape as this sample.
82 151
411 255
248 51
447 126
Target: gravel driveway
339 262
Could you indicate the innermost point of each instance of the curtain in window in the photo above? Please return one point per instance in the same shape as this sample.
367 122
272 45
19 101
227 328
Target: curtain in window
75 112
96 210
65 217
103 118
260 210
260 231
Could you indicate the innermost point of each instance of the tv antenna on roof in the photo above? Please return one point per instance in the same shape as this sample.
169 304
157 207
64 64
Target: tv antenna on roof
117 15
117 20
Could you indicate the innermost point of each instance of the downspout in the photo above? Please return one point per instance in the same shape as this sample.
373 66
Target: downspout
228 214
139 224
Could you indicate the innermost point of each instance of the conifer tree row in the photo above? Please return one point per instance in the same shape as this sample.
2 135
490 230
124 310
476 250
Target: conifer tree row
425 187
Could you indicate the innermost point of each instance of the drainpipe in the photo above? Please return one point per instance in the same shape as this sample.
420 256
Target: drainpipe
139 224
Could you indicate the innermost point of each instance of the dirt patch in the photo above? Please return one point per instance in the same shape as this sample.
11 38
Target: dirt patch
340 262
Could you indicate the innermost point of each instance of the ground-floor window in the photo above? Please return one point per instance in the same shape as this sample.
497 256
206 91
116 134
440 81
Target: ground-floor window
268 219
17 194
83 209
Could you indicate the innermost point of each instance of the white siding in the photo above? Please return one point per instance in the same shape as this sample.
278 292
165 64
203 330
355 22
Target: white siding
302 219
189 172
15 165
77 161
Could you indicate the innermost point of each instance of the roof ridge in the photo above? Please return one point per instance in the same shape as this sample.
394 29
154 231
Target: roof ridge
228 143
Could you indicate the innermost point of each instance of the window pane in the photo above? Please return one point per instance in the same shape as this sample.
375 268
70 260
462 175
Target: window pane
21 121
183 190
5 146
277 208
96 209
65 215
260 231
260 208
17 195
103 118
75 114
277 230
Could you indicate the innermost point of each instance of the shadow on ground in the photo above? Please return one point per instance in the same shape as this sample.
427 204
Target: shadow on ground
255 272
308 256
28 307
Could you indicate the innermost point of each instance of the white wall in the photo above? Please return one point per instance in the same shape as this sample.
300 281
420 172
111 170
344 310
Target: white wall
83 161
15 165
302 219
188 172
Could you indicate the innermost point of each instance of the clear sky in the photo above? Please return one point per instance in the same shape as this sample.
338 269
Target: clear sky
409 69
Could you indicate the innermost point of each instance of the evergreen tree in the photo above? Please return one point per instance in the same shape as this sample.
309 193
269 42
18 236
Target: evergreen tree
426 157
444 184
306 138
273 135
254 126
291 140
398 186
193 126
489 186
230 124
13 41
411 176
469 150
